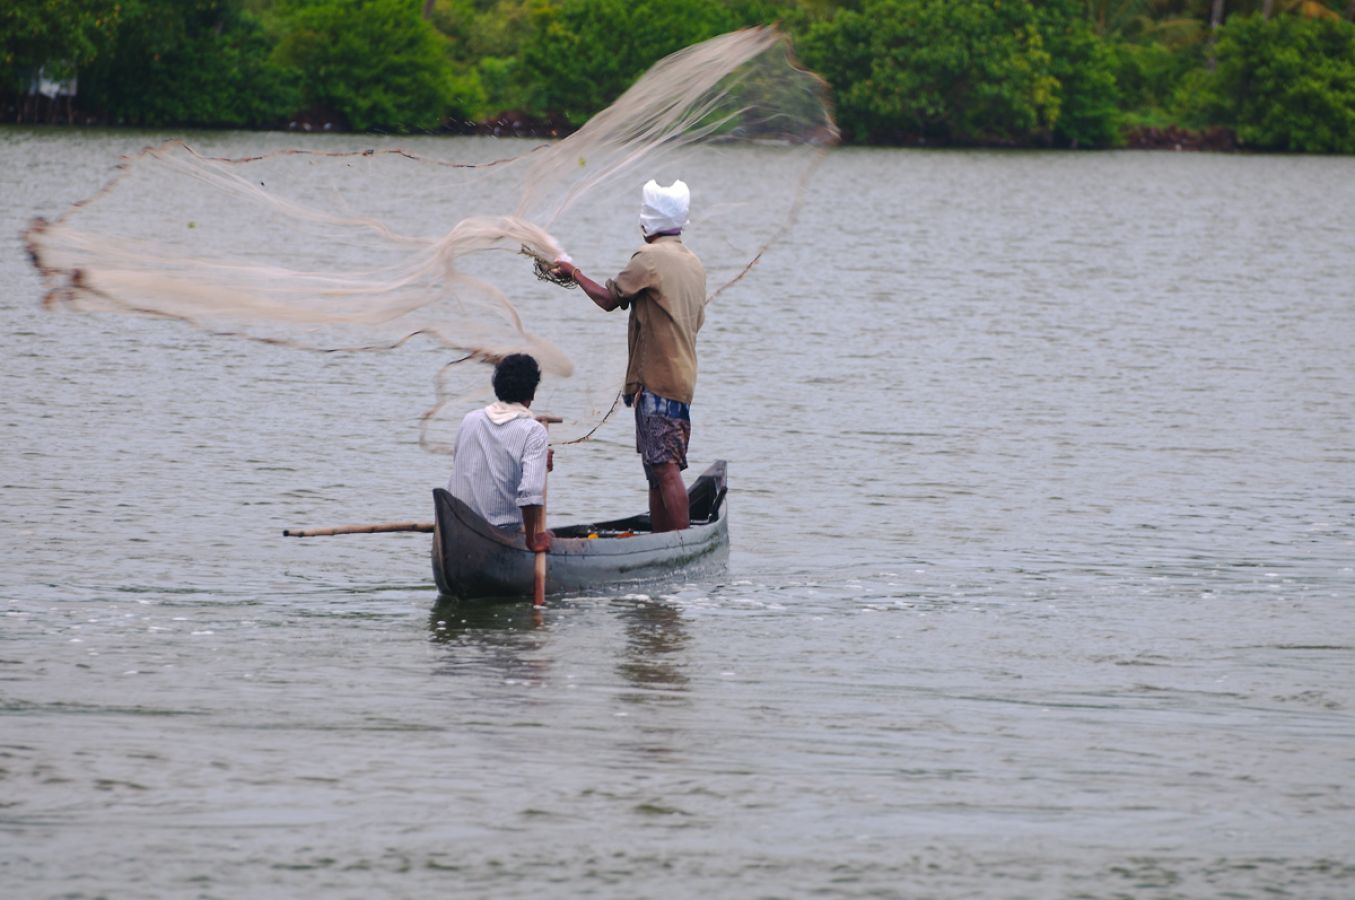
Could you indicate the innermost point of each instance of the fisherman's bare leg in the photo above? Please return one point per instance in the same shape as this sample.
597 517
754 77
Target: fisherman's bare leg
668 502
658 516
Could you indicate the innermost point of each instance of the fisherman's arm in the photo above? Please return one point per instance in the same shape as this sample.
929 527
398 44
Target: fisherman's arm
538 459
534 527
600 294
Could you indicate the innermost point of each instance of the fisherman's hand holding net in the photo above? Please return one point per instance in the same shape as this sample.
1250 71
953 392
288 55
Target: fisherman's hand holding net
554 272
564 272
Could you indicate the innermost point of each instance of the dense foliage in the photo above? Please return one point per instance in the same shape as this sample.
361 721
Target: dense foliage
965 71
580 56
374 63
60 35
201 61
1288 84
1270 74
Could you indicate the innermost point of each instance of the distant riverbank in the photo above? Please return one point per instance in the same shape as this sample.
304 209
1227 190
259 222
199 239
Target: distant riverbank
519 124
903 73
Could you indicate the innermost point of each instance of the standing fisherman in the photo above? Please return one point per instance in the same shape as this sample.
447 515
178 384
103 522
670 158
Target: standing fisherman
664 286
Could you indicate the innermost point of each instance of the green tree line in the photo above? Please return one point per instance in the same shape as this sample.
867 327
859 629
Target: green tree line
1270 74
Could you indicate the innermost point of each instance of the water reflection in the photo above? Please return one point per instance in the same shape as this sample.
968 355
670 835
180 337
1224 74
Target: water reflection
504 638
452 618
510 638
656 638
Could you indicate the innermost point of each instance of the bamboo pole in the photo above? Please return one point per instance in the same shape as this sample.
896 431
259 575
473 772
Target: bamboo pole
539 579
358 529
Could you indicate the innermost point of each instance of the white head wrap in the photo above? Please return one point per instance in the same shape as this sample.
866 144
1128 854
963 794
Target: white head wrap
664 208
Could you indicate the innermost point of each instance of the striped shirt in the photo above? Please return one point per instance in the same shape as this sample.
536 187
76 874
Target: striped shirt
499 468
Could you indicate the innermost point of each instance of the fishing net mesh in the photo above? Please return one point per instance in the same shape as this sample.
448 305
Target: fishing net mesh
364 250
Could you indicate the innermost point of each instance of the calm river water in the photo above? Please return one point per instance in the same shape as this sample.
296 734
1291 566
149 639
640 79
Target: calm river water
1043 510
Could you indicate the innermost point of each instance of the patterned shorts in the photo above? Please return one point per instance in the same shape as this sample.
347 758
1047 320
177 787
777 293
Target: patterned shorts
663 428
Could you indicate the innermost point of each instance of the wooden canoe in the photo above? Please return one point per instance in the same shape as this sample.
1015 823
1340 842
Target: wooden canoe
472 558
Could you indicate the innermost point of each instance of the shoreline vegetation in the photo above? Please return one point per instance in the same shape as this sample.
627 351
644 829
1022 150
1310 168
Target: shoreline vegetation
1218 75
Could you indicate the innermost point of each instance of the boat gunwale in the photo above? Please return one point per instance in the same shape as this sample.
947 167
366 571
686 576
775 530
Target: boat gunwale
608 545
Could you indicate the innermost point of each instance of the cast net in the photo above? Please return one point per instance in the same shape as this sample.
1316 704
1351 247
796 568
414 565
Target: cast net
368 249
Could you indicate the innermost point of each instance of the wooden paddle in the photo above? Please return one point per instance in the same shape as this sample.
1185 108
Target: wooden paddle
539 582
357 529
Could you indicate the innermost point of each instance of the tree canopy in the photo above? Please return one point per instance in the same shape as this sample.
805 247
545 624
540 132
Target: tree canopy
375 63
1272 74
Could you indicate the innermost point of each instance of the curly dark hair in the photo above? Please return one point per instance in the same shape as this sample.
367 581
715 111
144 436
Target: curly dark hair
516 377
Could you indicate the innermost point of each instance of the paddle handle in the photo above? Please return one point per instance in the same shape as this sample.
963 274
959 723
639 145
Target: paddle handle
358 529
539 583
539 579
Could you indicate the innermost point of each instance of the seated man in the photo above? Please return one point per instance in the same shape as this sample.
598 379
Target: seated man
502 455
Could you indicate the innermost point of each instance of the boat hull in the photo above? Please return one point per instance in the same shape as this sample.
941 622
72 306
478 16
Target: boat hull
472 558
